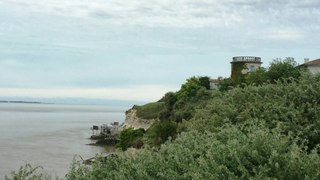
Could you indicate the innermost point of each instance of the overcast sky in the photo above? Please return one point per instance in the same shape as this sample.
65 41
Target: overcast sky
140 49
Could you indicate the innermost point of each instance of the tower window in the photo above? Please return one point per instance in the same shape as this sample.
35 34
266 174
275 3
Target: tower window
252 68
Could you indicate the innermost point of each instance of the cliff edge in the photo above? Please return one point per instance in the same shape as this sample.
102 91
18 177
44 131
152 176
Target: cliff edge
132 120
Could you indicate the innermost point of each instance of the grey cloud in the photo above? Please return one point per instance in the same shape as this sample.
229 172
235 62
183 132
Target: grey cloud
230 21
184 14
306 4
102 14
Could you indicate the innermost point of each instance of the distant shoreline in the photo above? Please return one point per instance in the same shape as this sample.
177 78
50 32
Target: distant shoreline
22 102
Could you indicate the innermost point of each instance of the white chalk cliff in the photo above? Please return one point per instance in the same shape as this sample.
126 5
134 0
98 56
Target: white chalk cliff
132 120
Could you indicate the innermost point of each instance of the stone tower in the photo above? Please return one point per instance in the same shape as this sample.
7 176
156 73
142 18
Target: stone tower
243 65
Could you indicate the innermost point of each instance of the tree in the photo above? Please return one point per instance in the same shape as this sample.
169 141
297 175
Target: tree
131 137
204 81
159 132
193 84
280 69
258 77
226 84
169 99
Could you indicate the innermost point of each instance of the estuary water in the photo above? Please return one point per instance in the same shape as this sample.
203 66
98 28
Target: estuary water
49 135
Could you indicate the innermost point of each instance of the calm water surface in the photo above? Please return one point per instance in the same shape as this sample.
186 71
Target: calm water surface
49 135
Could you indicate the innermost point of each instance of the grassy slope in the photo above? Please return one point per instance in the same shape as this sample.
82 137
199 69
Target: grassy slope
150 110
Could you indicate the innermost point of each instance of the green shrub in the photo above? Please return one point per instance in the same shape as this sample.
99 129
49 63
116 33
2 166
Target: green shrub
285 68
184 108
131 138
227 154
28 172
258 77
160 131
227 84
292 105
191 87
169 99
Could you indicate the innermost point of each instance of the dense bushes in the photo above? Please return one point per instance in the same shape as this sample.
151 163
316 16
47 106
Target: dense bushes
160 131
191 87
28 172
256 132
227 154
293 106
131 138
286 68
180 105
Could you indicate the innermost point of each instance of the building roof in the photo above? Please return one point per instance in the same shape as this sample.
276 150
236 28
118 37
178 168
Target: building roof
215 80
314 62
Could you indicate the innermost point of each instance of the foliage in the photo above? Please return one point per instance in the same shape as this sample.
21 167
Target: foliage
180 105
150 110
227 154
204 81
257 77
77 170
269 131
131 138
293 106
286 68
184 108
226 84
169 100
193 84
160 131
279 69
28 172
236 72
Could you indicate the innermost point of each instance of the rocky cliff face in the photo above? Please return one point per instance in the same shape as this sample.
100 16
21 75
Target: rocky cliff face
132 120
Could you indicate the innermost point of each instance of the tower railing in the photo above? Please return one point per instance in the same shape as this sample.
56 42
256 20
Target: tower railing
246 59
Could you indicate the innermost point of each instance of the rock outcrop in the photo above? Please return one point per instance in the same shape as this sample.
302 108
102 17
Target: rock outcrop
132 120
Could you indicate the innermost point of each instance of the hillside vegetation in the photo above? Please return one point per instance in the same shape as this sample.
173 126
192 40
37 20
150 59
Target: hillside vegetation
266 130
150 110
271 130
258 132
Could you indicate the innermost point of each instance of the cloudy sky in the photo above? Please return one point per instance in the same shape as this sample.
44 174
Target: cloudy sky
140 49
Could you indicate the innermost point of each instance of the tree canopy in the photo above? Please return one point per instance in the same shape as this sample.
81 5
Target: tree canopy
193 84
283 68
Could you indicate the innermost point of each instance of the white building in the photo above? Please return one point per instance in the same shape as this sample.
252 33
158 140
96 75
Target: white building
313 66
215 83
